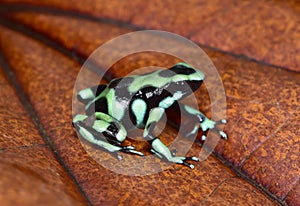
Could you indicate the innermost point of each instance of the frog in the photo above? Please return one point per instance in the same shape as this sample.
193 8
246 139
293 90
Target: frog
139 102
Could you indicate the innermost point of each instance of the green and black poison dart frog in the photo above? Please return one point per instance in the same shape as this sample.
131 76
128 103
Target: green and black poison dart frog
139 101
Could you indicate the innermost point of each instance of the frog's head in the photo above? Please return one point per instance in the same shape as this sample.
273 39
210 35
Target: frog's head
184 78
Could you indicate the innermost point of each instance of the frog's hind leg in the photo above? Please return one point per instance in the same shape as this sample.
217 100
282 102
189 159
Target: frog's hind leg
89 94
158 147
103 131
204 122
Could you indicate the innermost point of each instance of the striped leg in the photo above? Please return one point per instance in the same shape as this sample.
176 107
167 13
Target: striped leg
103 131
205 122
89 94
159 148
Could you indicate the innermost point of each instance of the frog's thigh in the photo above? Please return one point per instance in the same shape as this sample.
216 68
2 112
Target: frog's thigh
111 128
158 147
104 131
95 138
101 130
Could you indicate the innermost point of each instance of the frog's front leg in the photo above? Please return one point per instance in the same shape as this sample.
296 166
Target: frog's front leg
205 123
159 148
103 131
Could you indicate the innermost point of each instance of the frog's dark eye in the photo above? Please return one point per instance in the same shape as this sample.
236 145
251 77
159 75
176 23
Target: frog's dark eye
177 69
181 69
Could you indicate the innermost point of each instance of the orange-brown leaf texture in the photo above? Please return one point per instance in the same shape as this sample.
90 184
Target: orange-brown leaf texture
255 46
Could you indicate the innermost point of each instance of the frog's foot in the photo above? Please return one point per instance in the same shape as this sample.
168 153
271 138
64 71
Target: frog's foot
208 124
178 159
183 160
158 147
126 149
131 149
163 152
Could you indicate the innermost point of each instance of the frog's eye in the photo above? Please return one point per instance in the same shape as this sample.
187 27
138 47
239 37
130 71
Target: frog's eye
182 69
175 70
183 64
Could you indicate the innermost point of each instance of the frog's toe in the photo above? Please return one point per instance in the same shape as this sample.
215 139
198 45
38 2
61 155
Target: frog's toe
183 161
192 158
220 132
173 152
119 157
131 149
222 121
137 152
189 164
223 134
